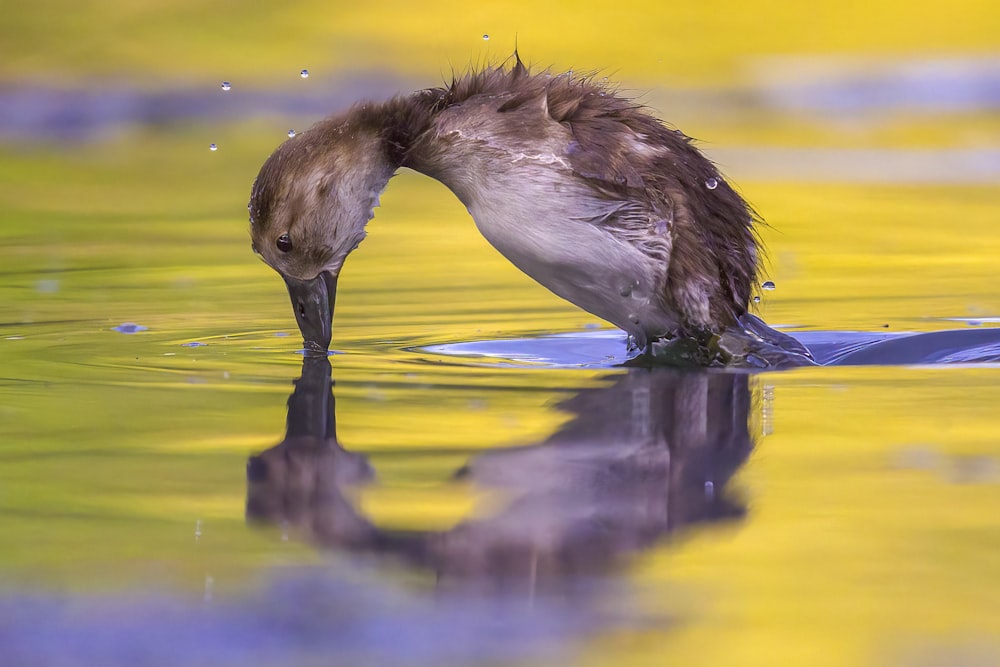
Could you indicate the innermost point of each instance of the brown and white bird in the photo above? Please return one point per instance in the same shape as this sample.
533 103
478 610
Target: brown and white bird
581 189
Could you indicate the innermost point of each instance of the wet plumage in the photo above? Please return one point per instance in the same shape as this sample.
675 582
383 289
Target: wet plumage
582 189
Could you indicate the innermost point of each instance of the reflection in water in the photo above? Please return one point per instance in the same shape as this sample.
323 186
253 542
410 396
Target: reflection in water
641 457
645 455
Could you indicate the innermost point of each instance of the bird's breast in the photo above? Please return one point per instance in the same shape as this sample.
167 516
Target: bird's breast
543 220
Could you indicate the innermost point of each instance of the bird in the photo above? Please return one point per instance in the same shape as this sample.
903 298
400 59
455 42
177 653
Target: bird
583 189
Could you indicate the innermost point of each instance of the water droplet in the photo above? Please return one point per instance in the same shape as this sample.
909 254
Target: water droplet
756 299
197 530
226 85
709 490
48 286
213 147
304 74
486 38
129 328
194 344
291 133
712 183
767 284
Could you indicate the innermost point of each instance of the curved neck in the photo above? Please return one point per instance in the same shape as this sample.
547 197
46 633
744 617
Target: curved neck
385 132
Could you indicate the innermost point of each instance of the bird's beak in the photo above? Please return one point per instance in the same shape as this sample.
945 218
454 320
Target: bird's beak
312 301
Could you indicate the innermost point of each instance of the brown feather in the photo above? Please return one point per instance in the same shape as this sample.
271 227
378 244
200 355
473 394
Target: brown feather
714 246
649 185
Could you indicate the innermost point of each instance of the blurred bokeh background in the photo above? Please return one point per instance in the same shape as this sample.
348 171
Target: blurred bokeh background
111 106
867 134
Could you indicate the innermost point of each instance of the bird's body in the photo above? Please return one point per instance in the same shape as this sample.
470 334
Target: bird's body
581 189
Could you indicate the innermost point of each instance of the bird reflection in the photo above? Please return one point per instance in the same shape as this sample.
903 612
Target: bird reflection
643 456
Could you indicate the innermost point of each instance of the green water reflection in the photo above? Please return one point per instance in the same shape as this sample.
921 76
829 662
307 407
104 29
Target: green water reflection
645 453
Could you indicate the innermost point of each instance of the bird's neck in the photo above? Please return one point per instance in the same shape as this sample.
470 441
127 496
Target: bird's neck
384 135
353 156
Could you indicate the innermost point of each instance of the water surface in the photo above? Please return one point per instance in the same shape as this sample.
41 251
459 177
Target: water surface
474 478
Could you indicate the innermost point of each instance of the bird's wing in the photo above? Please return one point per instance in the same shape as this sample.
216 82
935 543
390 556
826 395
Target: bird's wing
661 186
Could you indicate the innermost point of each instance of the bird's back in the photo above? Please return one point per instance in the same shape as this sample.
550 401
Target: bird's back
594 197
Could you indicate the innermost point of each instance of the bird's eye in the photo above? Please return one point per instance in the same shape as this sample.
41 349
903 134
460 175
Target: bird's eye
284 243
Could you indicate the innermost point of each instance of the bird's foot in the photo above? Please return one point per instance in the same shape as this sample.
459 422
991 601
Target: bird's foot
749 344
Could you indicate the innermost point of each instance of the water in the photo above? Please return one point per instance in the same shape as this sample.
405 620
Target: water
129 328
588 349
474 478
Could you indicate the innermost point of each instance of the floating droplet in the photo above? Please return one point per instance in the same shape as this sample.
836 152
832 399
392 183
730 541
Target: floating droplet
291 133
767 284
304 74
226 85
486 38
129 328
194 344
213 147
709 490
756 299
712 183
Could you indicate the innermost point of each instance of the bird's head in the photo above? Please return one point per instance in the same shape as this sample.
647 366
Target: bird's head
308 211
